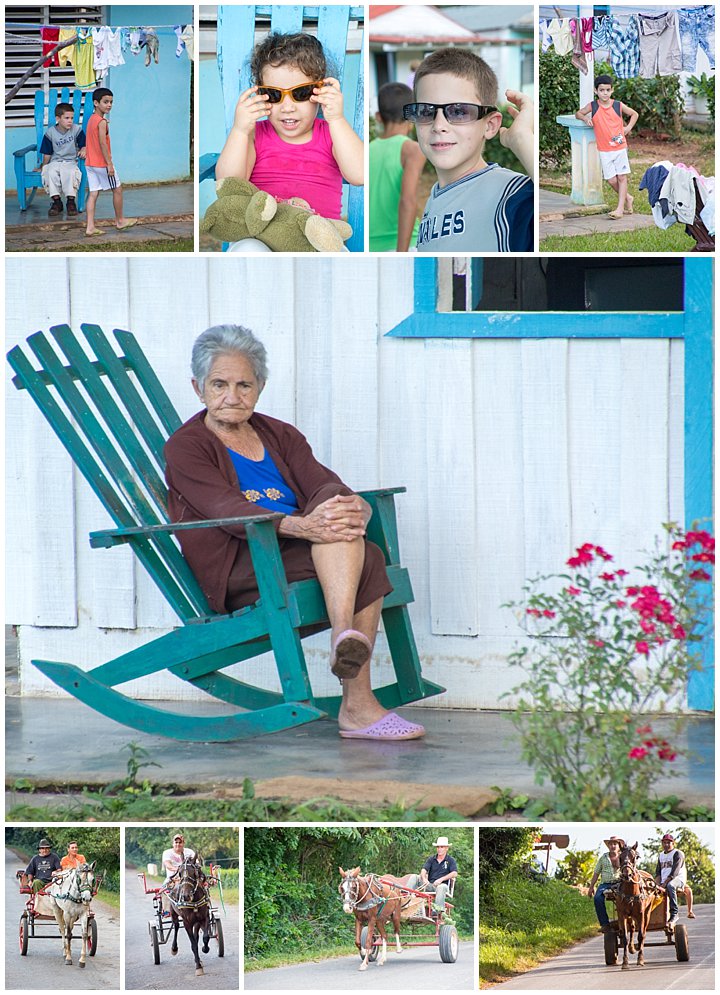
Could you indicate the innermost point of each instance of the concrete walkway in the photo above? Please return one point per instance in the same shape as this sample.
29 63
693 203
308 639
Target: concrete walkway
560 216
165 213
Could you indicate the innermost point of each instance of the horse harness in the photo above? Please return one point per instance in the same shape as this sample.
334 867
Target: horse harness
362 903
74 874
178 903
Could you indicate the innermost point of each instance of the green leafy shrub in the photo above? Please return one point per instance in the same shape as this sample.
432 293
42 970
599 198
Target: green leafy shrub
559 87
658 101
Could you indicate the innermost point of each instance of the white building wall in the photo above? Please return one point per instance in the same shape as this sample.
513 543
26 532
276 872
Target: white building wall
513 452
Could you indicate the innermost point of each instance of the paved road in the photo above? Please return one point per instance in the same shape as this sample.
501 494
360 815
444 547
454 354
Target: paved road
583 967
418 968
141 972
44 965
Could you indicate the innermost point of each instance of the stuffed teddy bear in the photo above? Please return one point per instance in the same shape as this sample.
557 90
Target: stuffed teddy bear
243 211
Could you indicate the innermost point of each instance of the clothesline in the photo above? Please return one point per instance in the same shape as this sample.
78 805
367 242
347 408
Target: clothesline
27 24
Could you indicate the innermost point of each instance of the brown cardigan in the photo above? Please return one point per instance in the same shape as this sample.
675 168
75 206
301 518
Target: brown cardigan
203 484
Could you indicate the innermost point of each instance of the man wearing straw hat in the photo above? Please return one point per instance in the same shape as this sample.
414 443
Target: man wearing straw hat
607 870
437 874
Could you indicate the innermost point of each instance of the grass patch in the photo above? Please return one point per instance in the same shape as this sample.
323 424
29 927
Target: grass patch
159 245
643 240
111 898
523 921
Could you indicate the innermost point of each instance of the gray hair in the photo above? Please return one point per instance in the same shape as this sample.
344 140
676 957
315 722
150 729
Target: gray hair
222 339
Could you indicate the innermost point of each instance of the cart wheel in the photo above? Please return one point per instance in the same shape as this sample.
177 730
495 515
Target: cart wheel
682 946
374 950
448 941
611 947
92 937
219 937
155 944
24 935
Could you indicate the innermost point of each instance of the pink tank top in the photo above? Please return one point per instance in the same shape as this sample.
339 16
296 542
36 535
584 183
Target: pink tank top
308 171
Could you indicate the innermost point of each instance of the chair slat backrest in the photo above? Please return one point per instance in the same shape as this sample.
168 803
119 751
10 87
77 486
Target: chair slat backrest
113 416
236 28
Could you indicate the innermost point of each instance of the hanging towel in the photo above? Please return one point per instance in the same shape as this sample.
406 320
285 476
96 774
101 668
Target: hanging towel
83 60
66 56
578 56
50 38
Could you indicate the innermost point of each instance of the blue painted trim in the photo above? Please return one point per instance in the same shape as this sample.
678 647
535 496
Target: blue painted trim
694 325
540 325
699 438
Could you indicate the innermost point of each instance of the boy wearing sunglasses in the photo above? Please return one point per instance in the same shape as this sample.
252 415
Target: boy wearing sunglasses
475 206
277 140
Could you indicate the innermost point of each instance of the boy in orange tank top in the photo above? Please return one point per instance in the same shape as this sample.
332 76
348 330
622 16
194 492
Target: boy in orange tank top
101 173
606 117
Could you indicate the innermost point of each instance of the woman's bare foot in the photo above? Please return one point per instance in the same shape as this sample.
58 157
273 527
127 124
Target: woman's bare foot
358 711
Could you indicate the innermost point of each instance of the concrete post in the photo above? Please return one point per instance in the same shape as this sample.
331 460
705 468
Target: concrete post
586 172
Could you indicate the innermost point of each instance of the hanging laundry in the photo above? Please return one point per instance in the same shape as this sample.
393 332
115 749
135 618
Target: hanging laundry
83 60
180 43
152 46
188 37
49 37
545 39
578 56
561 35
653 179
659 45
586 34
624 47
135 38
124 39
697 27
601 38
106 43
66 56
707 215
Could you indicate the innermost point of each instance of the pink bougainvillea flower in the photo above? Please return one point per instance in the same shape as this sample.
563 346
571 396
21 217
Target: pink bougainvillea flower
643 730
573 590
620 604
548 614
642 648
647 626
621 573
704 538
602 553
650 742
666 755
583 556
679 544
632 591
700 574
703 557
637 753
678 632
534 611
607 576
597 642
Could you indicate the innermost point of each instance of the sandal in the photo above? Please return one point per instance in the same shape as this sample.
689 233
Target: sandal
390 727
351 652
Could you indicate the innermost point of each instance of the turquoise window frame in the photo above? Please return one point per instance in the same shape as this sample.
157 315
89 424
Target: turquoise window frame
693 324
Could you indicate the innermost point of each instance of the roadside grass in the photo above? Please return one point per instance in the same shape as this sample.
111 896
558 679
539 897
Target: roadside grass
523 922
158 245
642 240
111 898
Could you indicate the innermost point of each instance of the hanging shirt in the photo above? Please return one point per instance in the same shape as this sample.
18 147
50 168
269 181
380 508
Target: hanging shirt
50 38
561 35
624 48
601 36
188 38
107 53
261 483
83 60
66 56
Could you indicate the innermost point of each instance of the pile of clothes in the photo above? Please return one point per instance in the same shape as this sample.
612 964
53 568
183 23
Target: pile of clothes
97 50
645 45
679 193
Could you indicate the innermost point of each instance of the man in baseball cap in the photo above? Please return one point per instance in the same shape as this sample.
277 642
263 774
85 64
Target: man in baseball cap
607 869
671 874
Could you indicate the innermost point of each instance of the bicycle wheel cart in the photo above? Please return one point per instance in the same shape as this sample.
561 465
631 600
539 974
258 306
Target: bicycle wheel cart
676 936
36 925
160 926
417 910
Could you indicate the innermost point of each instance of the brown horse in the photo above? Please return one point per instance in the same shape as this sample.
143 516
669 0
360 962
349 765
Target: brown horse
373 903
189 901
634 896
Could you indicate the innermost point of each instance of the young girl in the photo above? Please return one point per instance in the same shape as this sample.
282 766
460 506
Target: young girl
293 153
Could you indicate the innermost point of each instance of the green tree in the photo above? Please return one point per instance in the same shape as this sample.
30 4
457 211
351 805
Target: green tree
98 843
576 867
699 858
500 848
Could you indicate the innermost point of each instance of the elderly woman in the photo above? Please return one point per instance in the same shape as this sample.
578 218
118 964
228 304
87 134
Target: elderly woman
228 461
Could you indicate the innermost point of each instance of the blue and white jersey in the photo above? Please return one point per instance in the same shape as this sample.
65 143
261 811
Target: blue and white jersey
63 146
488 211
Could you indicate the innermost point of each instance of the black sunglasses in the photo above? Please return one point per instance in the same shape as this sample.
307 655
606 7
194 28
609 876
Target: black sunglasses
457 113
299 93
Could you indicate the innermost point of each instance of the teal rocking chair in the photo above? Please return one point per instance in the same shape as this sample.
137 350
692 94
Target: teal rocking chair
113 416
236 35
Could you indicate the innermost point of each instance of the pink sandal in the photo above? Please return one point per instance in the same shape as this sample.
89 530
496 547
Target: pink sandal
351 652
390 727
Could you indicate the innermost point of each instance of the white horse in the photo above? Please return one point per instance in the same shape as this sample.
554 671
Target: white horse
70 895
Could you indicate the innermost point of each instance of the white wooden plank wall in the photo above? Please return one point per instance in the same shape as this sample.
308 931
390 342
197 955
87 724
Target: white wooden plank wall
512 452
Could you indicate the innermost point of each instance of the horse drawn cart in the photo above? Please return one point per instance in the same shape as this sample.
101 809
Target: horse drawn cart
677 935
160 927
417 909
36 924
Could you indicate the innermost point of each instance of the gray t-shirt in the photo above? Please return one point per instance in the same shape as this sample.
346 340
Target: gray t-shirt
63 146
488 211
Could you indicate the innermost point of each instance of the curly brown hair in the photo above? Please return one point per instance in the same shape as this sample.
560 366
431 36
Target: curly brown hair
301 50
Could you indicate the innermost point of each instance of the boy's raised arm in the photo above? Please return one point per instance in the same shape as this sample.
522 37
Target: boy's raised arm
633 115
520 136
584 114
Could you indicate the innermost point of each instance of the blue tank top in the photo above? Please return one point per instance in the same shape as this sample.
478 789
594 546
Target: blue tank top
261 483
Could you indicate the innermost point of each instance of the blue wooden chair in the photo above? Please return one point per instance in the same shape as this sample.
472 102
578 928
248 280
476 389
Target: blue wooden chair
27 179
110 411
236 36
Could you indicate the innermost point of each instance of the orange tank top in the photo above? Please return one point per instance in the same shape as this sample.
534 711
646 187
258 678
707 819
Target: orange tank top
94 156
608 127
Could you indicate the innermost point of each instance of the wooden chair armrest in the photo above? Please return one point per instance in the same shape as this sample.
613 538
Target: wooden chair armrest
207 165
24 152
115 537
